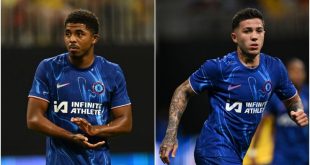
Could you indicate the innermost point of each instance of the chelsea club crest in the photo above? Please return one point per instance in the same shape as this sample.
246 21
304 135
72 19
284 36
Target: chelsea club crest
98 88
267 87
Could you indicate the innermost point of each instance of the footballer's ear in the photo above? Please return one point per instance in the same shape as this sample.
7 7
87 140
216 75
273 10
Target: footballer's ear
234 37
96 38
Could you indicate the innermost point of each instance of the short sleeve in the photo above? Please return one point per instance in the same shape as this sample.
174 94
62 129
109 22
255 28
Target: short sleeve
119 96
203 78
40 87
284 88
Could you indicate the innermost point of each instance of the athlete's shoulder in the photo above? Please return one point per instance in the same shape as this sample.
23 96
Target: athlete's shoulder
58 59
215 67
227 59
111 69
271 60
106 63
50 62
224 63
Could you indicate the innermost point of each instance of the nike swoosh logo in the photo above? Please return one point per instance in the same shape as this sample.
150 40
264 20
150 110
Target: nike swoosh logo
61 85
231 87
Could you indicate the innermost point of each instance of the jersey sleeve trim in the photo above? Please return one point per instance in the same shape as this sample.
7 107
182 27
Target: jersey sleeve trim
120 106
190 84
290 97
40 98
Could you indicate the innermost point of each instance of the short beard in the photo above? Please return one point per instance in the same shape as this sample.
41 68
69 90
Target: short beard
248 55
80 57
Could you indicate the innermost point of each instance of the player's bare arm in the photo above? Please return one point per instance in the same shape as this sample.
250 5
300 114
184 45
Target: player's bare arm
121 123
177 107
37 121
296 111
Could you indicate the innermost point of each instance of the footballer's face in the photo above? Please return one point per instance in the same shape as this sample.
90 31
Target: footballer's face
249 36
79 39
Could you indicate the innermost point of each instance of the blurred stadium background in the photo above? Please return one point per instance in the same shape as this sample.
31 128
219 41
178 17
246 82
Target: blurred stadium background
191 31
32 30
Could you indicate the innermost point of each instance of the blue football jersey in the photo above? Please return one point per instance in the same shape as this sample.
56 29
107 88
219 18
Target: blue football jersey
88 93
238 97
291 141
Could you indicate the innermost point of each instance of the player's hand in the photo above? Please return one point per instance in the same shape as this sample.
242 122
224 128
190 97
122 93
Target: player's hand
84 125
169 145
300 117
83 141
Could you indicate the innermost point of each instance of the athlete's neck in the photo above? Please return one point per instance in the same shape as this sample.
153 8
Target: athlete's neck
248 60
83 61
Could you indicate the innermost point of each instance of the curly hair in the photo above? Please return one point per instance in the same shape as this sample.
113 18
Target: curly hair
247 13
85 17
